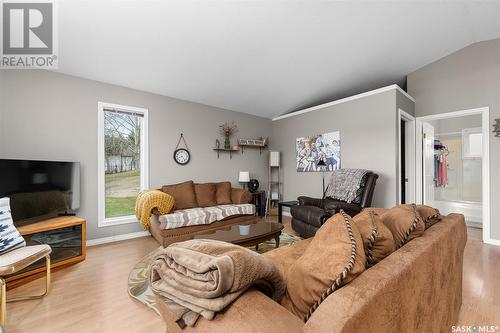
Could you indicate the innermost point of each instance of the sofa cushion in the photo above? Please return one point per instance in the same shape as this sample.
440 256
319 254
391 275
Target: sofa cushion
240 196
378 241
404 222
223 193
429 215
334 257
183 194
205 194
283 257
207 215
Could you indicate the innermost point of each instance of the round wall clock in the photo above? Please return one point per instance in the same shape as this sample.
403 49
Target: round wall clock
182 156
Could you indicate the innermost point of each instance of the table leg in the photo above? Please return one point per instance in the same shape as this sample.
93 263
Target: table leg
257 247
277 240
280 213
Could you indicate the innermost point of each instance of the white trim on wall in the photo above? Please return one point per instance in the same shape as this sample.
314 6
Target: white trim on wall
485 116
117 238
344 100
102 221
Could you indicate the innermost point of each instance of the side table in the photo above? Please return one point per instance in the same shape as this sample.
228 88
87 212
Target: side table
286 204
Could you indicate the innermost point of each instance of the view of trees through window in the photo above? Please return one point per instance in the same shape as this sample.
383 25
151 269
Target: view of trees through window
122 135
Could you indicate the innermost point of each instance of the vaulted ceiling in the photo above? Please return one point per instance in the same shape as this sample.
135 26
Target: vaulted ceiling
264 57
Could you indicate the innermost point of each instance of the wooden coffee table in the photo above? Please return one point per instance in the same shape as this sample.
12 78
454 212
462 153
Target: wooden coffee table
247 235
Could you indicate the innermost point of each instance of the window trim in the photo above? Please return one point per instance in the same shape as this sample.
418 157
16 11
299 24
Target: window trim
102 221
466 132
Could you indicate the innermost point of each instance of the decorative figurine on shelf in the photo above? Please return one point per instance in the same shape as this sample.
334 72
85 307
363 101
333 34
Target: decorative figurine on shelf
217 143
227 130
253 185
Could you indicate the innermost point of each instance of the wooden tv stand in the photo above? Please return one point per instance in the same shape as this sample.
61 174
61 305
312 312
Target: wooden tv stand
65 234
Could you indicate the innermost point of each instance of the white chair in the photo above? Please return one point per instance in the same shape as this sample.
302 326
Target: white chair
12 262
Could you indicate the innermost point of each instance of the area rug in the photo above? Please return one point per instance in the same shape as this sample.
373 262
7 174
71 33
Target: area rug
138 286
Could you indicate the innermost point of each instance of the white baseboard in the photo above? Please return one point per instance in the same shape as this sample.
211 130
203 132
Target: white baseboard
491 241
111 239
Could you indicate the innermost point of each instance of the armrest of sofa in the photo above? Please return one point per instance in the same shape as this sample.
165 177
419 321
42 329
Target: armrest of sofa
310 214
334 206
308 201
404 290
240 196
252 312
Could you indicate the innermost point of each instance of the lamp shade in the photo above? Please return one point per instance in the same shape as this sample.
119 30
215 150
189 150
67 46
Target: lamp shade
244 177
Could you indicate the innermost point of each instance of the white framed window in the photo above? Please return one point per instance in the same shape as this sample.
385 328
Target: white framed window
472 143
123 162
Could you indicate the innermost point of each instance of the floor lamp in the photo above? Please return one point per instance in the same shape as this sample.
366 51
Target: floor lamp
322 165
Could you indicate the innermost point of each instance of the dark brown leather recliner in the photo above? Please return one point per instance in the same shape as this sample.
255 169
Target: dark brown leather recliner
311 213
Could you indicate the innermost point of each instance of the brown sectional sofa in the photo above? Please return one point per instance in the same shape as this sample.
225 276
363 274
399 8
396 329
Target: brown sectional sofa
417 288
168 236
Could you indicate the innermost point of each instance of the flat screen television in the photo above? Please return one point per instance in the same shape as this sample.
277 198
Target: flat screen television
39 189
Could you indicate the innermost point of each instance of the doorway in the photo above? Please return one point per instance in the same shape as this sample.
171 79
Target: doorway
406 157
453 163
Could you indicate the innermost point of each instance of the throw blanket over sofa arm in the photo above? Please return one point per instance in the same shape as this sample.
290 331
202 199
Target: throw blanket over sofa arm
240 196
252 312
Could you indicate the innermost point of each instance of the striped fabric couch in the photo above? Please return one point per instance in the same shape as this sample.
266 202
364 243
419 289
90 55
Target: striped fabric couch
201 209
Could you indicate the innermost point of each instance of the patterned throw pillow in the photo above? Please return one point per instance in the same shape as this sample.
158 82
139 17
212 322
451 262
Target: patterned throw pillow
334 257
378 241
429 215
405 223
10 238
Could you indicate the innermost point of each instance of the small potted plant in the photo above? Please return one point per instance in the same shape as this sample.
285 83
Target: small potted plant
227 129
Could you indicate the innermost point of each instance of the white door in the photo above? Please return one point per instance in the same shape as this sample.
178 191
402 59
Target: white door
428 162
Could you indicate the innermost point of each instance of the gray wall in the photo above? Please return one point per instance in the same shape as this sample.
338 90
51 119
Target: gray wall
368 140
466 79
452 125
404 103
46 115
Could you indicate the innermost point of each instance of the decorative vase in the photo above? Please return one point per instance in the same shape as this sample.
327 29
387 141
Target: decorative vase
227 143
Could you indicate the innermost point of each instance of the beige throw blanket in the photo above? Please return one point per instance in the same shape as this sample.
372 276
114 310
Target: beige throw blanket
202 277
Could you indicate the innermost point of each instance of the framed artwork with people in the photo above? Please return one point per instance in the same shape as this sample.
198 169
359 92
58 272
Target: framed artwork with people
312 149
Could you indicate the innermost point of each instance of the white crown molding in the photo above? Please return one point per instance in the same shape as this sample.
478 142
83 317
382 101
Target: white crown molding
111 239
347 99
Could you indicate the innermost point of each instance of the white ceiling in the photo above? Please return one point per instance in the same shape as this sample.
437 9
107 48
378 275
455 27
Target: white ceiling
264 57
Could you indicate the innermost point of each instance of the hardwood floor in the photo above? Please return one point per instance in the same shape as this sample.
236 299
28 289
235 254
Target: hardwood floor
88 297
92 296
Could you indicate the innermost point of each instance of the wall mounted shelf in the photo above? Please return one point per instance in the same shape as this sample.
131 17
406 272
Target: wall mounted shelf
224 150
243 146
